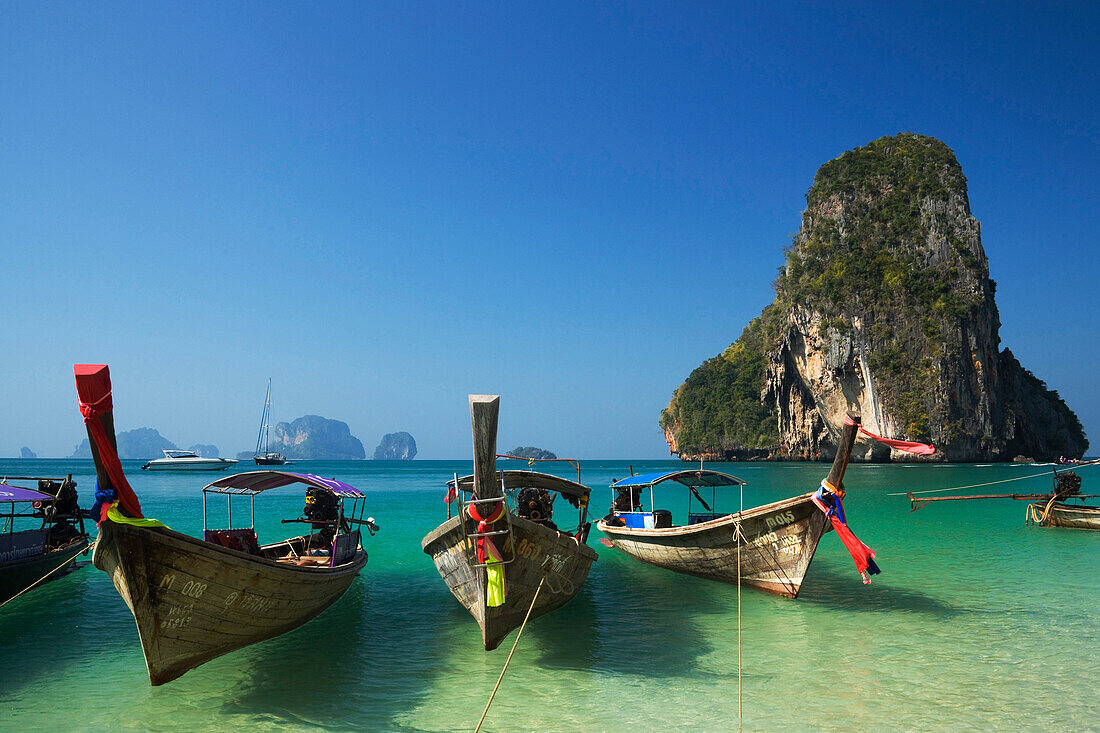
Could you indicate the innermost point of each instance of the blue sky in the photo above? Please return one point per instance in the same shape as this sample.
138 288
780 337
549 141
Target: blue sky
386 206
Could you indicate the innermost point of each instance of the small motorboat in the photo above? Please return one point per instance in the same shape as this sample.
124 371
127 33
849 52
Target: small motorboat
187 460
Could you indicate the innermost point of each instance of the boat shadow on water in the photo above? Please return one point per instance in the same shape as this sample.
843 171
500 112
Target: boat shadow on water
627 612
830 588
62 621
360 655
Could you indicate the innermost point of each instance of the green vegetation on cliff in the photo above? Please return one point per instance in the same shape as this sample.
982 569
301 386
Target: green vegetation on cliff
718 408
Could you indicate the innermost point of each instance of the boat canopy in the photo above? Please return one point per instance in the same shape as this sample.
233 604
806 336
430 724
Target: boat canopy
693 479
531 479
18 493
253 482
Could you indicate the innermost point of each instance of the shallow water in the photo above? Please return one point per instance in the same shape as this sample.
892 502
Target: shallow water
977 621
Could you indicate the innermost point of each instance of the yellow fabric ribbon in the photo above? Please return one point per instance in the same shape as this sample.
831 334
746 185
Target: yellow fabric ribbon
494 583
116 516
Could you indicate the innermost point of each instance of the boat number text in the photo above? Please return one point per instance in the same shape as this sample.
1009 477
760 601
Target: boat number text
530 551
247 601
191 589
786 545
779 520
178 616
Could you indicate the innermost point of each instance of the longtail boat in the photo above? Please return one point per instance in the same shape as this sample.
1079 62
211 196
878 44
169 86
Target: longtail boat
197 599
51 536
768 547
1064 506
501 554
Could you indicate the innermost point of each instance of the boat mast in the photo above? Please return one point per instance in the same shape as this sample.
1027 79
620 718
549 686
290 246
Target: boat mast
484 410
263 438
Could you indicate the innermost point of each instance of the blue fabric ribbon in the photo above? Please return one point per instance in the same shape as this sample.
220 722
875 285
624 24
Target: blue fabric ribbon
102 496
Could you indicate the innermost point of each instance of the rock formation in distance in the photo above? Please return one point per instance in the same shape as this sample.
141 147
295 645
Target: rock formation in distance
136 444
313 437
26 452
396 447
527 451
884 306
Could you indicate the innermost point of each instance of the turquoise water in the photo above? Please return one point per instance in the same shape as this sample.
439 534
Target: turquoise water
977 622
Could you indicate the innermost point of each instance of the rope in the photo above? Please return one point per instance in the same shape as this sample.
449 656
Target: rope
1043 514
739 537
990 483
38 582
508 661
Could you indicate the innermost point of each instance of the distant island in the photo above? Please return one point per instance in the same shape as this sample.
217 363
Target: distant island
884 306
143 444
312 437
526 451
396 447
26 452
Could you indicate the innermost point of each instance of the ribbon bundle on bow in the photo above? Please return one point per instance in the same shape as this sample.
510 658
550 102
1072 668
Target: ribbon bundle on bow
495 588
828 500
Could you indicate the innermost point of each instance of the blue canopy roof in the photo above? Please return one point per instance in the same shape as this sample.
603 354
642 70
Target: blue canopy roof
694 478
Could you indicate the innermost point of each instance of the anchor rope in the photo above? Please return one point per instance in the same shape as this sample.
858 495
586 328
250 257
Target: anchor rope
740 536
509 660
37 582
991 483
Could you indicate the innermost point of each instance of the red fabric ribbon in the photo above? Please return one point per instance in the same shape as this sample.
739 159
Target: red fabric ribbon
920 449
108 457
861 553
485 545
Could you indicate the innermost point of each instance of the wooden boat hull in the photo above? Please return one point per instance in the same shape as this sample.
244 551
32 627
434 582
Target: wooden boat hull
194 601
780 541
1067 515
18 575
538 551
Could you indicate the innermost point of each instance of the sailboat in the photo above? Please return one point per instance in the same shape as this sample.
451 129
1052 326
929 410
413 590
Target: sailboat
268 457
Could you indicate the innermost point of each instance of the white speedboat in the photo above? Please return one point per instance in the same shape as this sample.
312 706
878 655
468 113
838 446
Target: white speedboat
187 460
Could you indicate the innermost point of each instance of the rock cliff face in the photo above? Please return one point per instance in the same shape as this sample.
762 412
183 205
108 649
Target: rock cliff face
396 447
26 452
885 307
318 438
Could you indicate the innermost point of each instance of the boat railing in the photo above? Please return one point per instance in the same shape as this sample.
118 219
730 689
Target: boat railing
469 539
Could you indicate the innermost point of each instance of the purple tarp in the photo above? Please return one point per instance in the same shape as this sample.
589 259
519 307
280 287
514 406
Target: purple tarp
254 482
18 493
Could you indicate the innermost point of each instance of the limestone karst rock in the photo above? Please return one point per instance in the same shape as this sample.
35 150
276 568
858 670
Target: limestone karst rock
884 306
